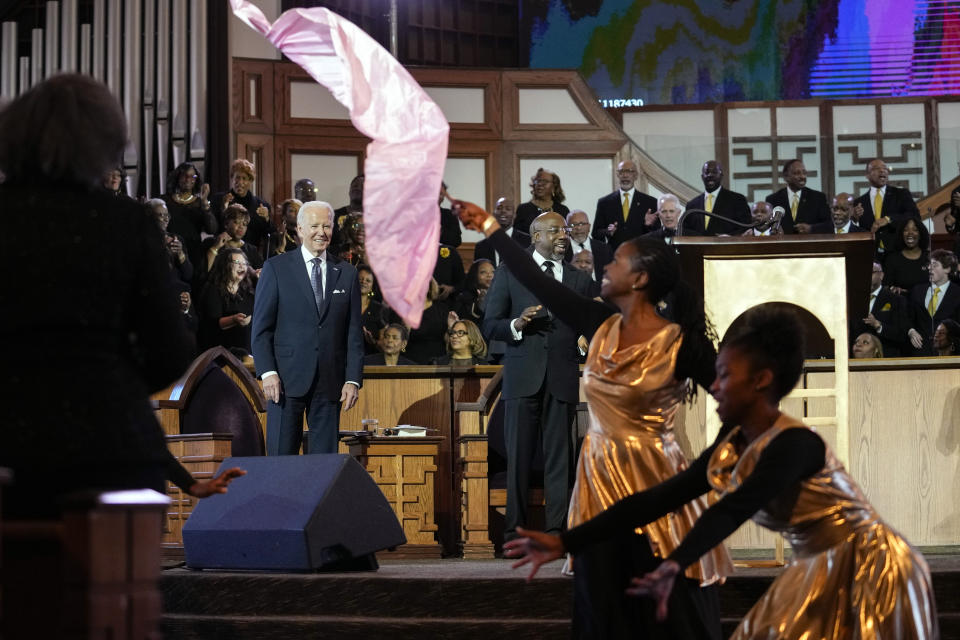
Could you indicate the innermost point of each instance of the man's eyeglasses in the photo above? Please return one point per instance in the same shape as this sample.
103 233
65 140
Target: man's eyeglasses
555 230
577 225
458 333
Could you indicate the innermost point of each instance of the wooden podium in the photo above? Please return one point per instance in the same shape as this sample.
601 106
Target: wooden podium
826 275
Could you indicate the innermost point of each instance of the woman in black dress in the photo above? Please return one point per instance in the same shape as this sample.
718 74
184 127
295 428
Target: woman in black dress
188 202
907 265
92 324
547 196
226 304
427 341
469 302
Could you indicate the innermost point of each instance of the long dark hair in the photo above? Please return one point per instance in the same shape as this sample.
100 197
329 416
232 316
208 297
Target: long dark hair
679 302
470 283
220 272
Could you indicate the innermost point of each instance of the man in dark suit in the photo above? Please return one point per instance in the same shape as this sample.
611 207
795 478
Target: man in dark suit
841 211
932 304
307 337
668 213
803 206
895 204
505 215
888 318
719 200
540 381
579 225
626 213
450 234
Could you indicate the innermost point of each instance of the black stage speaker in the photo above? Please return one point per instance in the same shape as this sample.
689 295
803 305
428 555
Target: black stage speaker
293 513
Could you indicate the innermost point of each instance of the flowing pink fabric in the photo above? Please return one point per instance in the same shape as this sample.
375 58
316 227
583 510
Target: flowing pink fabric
405 159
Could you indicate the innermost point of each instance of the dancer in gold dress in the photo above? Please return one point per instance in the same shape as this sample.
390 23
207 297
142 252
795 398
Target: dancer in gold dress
851 576
635 379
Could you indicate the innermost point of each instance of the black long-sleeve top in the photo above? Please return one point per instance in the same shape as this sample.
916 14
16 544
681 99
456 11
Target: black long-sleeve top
697 356
792 456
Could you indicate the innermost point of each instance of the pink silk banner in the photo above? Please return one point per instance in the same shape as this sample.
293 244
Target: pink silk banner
406 157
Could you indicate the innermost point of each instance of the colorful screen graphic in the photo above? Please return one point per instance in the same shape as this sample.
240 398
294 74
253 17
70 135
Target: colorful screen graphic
690 51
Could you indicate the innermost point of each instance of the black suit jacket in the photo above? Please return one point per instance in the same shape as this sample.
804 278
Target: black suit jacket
610 210
812 208
729 203
898 205
602 256
484 249
925 325
450 234
298 341
92 327
548 351
827 227
892 312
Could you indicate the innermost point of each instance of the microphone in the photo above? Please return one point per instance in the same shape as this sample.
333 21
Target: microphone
777 219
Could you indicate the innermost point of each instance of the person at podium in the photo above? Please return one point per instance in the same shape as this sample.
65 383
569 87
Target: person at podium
638 371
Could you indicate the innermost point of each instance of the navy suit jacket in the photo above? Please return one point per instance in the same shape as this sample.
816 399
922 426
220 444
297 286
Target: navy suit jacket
729 203
548 351
299 342
812 208
610 210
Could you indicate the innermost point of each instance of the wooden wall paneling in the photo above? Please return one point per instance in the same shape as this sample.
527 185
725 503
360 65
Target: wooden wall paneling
827 165
488 150
932 141
489 81
516 150
258 148
288 145
600 125
285 74
721 131
253 108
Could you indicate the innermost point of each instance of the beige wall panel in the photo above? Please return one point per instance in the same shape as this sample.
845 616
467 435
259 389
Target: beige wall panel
584 180
466 179
801 121
311 100
331 173
247 43
681 141
548 106
459 104
948 118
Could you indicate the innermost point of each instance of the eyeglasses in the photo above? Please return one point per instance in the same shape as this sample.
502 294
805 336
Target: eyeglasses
555 230
459 333
626 172
543 181
243 262
577 225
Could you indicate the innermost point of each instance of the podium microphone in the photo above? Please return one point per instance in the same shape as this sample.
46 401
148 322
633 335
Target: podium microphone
777 219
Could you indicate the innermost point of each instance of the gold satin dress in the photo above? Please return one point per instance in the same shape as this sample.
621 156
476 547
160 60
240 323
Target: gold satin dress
630 446
851 575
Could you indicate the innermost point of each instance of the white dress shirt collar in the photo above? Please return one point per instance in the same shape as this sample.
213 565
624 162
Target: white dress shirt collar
714 193
557 265
307 256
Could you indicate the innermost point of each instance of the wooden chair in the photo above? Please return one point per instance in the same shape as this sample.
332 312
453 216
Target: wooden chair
217 394
477 498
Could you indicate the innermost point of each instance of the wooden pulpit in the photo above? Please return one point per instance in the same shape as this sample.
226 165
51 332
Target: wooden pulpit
827 275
